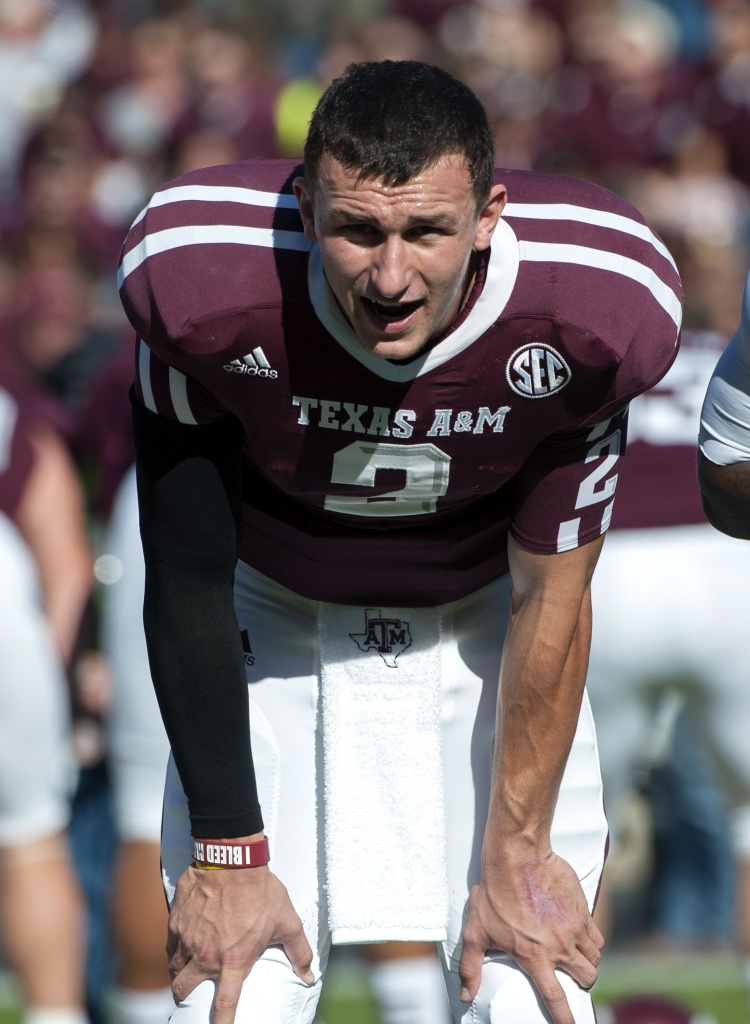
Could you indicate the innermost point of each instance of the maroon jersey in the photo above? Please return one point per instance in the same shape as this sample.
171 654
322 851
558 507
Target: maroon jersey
104 436
659 484
16 454
367 479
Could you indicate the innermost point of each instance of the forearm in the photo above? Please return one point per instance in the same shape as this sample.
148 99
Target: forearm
51 517
66 595
542 685
725 491
543 675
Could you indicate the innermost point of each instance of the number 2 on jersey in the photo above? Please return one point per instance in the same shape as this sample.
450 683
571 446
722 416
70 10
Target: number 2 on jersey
427 471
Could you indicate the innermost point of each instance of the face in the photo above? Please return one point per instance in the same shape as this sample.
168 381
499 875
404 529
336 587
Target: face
398 257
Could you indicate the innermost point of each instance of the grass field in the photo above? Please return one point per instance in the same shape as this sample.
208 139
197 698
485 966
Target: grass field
712 984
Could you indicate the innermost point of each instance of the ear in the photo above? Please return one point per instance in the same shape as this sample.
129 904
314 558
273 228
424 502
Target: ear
489 215
303 192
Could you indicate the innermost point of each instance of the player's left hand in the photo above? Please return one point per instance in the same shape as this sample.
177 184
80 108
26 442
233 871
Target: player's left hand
533 908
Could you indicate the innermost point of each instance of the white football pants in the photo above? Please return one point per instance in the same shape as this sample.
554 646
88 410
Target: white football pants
37 773
283 679
670 611
137 743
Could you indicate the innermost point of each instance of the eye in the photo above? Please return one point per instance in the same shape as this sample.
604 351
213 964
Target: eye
354 230
426 231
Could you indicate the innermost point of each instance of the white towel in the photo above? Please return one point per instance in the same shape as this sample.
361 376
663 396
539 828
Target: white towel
384 804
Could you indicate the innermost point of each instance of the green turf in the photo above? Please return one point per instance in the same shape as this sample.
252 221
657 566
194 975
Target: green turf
712 984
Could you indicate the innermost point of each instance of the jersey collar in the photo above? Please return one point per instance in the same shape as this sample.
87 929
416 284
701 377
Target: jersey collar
502 270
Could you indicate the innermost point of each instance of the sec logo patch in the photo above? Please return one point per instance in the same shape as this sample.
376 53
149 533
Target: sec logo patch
537 371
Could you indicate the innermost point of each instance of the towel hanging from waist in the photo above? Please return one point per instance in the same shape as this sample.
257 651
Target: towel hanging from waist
381 695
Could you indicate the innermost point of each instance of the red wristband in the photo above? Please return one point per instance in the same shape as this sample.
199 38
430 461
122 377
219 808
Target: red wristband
212 854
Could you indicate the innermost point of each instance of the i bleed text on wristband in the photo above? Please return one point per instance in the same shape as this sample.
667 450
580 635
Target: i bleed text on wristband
210 854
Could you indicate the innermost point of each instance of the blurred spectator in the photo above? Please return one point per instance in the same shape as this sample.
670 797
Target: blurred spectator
43 45
53 333
510 54
622 101
137 116
723 98
703 214
233 90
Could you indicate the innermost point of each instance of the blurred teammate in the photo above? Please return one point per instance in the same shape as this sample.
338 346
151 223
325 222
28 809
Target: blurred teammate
674 627
138 752
724 477
137 747
46 578
724 456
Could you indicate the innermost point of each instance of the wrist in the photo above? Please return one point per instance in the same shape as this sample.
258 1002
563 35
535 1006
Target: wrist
515 846
227 854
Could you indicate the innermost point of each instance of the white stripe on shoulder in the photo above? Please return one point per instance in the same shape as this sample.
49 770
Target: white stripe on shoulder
144 375
219 194
599 259
211 234
178 394
586 215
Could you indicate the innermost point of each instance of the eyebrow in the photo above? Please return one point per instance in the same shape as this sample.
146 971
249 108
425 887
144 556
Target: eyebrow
431 220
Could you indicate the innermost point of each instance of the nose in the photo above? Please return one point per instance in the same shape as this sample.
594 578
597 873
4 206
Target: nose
390 274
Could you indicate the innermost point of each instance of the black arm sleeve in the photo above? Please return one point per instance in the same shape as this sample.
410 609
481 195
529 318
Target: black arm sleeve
190 499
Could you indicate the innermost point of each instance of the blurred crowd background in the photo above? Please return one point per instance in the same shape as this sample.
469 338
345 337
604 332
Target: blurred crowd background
102 101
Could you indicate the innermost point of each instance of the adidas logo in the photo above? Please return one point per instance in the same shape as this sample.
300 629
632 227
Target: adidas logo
254 363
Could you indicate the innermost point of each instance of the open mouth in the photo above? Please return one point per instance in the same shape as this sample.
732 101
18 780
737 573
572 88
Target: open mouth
393 315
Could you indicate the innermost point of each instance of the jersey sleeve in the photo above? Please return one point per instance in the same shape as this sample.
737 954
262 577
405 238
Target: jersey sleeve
724 436
171 394
566 491
152 291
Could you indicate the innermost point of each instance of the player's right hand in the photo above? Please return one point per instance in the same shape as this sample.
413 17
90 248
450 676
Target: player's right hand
220 923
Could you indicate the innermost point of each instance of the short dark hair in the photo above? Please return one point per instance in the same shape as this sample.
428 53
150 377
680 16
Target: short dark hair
392 119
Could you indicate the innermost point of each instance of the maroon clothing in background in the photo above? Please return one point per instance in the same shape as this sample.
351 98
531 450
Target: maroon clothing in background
104 438
659 485
367 480
610 132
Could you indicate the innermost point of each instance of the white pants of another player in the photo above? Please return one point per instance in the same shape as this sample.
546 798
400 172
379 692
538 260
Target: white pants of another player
138 744
670 610
37 774
283 633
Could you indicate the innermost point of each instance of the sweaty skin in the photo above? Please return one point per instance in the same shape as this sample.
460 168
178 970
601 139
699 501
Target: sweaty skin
398 258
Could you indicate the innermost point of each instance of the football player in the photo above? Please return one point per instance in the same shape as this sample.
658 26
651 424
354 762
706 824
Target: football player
138 752
45 568
672 629
724 478
724 455
379 413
